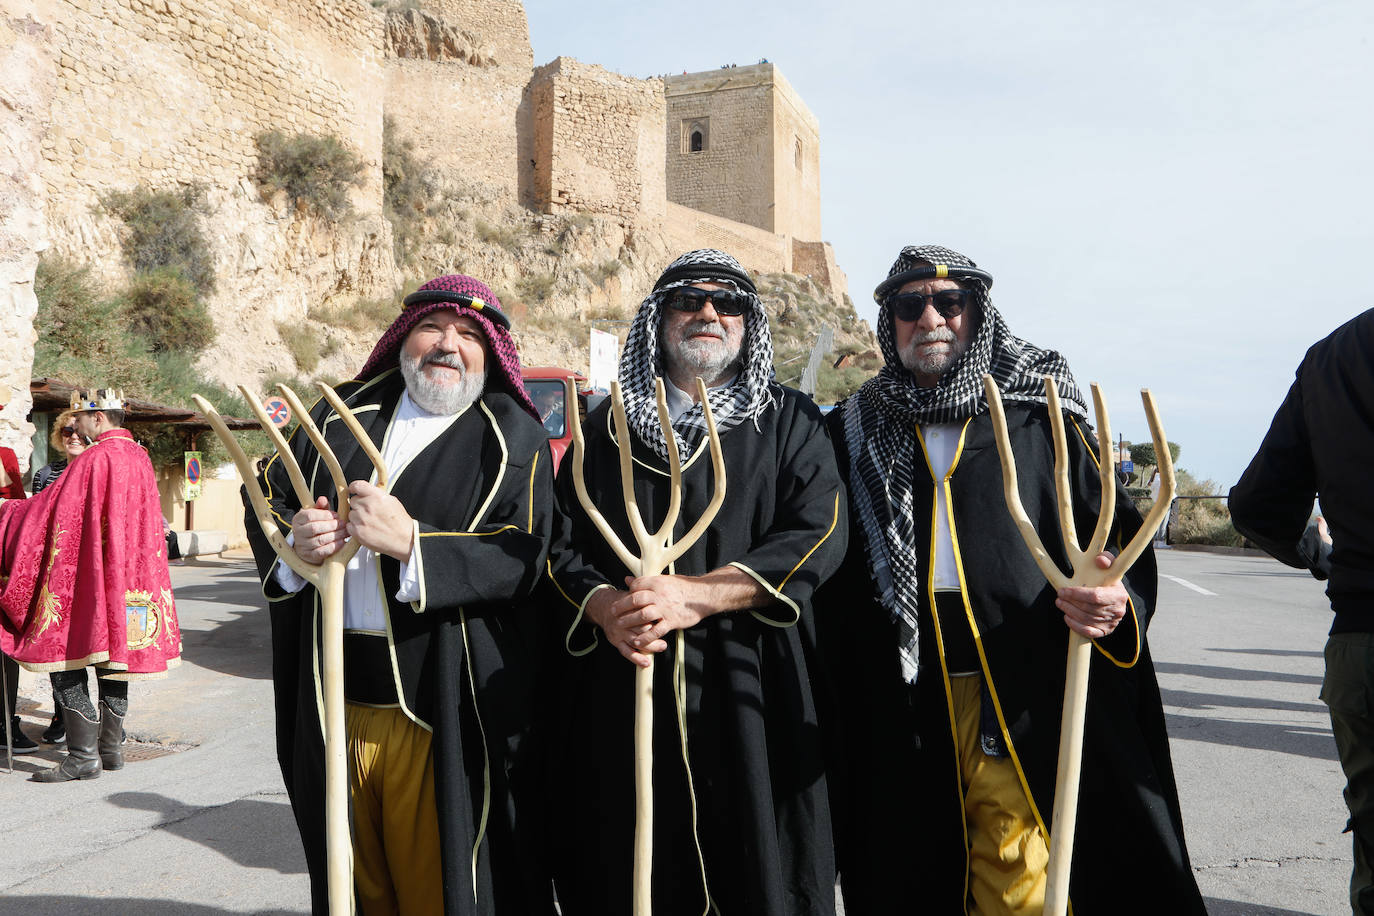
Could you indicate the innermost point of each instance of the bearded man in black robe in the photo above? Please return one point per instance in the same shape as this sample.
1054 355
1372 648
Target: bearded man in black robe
741 817
437 670
949 648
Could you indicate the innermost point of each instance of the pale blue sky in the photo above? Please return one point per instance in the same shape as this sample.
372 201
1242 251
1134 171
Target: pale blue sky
1174 195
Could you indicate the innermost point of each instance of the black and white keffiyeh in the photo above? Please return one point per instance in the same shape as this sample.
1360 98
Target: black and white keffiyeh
880 432
746 398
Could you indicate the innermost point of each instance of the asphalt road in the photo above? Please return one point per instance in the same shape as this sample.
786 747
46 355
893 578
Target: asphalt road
201 825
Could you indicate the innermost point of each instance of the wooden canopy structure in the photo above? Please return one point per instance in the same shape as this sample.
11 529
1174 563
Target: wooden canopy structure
55 395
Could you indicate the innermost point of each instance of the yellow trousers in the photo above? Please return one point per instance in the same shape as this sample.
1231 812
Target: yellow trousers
396 863
1008 853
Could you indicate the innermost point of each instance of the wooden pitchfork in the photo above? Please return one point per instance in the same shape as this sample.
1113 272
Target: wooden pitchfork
328 578
1085 573
655 555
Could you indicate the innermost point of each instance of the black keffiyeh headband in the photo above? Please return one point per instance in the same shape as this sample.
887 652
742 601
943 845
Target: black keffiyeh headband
881 420
746 398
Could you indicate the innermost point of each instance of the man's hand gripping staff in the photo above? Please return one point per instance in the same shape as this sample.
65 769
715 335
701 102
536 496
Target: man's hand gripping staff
1088 572
656 554
328 578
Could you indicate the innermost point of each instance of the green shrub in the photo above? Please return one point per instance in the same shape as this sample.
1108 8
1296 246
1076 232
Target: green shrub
1143 454
407 189
536 287
303 343
163 230
314 170
82 338
1200 521
600 273
362 315
85 338
161 306
496 234
834 385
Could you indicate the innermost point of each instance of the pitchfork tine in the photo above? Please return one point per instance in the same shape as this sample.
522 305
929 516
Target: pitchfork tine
364 440
263 511
655 556
1085 573
328 577
322 448
288 460
717 498
579 455
665 423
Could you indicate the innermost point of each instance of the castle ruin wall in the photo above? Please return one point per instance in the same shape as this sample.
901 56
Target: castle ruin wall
796 164
460 99
759 250
25 98
598 142
731 175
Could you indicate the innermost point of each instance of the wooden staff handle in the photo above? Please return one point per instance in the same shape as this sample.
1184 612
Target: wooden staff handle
1085 573
656 553
328 579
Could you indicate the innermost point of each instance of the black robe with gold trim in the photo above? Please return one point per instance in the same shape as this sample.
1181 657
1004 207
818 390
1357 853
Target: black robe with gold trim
746 682
900 836
461 655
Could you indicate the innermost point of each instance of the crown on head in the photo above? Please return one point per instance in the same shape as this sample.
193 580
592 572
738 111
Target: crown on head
99 399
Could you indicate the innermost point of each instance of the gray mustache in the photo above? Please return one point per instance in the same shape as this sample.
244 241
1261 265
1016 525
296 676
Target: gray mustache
935 335
448 360
696 327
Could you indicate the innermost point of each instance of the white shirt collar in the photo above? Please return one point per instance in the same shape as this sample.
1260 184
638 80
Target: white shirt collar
679 401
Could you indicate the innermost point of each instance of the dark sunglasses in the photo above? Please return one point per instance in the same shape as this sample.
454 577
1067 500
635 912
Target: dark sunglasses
68 431
724 301
950 303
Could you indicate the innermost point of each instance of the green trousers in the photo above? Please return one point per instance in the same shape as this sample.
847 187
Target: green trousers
1348 691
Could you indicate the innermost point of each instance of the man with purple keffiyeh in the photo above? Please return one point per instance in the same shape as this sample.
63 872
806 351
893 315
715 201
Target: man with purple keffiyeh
438 661
948 648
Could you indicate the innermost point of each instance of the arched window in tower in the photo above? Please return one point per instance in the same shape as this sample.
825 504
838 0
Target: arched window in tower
696 135
797 154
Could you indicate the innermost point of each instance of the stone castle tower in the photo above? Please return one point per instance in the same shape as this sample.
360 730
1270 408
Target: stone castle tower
741 144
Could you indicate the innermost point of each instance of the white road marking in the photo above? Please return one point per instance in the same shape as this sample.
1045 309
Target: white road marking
1186 584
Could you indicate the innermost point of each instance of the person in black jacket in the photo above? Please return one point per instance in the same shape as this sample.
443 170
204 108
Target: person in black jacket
1318 446
947 647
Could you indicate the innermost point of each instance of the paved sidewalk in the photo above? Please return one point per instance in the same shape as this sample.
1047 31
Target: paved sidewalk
201 825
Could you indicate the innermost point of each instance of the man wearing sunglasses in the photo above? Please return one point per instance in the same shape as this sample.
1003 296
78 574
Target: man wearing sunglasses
741 814
948 648
437 667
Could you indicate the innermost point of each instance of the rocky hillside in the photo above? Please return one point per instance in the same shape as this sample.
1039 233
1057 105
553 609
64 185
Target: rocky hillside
558 276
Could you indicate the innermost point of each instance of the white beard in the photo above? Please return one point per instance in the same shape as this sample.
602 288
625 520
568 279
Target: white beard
934 362
438 398
707 359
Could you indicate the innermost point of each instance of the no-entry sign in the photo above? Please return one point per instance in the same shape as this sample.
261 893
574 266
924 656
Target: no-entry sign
278 411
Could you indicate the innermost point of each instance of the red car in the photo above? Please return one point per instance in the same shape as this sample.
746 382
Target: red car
546 387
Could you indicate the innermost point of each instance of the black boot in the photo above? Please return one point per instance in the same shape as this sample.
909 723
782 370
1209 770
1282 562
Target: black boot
20 743
80 761
56 733
111 738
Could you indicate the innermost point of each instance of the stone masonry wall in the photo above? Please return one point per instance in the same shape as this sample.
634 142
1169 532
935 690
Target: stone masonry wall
598 142
162 93
25 94
461 106
158 91
817 261
796 164
759 250
732 175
